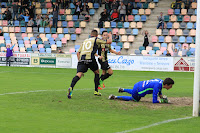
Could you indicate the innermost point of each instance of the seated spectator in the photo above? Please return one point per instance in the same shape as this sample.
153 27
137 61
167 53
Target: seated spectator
51 22
168 53
184 51
116 37
104 15
115 15
31 22
1 33
60 51
45 21
188 4
129 9
175 53
122 11
84 9
38 38
114 5
178 4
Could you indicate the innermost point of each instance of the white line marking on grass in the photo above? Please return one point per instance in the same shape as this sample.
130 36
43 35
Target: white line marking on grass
24 92
155 124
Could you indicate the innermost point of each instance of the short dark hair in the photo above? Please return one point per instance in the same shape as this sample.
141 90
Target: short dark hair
168 81
94 33
104 31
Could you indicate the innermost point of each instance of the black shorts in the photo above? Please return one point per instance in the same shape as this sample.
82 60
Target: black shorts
104 65
84 65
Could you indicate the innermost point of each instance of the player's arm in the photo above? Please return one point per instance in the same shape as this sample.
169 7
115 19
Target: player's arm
78 55
79 51
12 47
100 57
113 51
155 93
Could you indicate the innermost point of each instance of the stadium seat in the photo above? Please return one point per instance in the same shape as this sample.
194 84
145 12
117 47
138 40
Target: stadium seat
188 39
144 52
141 48
130 18
189 25
186 32
194 5
179 32
113 24
148 12
173 18
73 37
134 11
91 12
152 52
126 25
75 18
78 31
139 25
124 38
165 32
131 38
137 52
176 25
186 18
169 25
107 24
143 18
182 25
137 18
96 5
193 18
182 39
64 24
154 38
141 11
158 32
156 45
166 18
179 18
172 32
152 5
168 39
192 32
122 31
135 31
190 12
128 31
70 24
177 11
82 24
183 11
192 45
174 39
170 11
133 25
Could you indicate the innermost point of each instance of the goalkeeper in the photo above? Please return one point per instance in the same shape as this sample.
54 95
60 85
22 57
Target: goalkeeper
142 88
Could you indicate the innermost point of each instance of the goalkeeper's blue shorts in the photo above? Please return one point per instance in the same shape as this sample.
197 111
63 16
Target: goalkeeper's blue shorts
135 94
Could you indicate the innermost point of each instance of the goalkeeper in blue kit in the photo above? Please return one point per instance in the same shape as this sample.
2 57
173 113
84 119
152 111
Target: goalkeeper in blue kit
142 88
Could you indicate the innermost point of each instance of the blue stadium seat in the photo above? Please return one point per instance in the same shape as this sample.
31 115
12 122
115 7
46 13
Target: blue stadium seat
192 50
137 18
75 17
7 37
155 1
117 48
41 30
96 5
65 30
92 11
178 46
135 31
195 11
126 24
59 44
16 23
73 37
23 29
156 48
113 44
44 11
120 25
20 42
42 50
177 11
134 11
50 16
34 46
48 36
26 38
139 5
152 52
164 45
29 50
64 23
141 48
120 44
72 6
53 30
194 25
21 45
51 39
137 52
47 30
60 36
8 41
128 31
47 45
143 18
186 32
169 25
189 39
3 4
52 42
32 38
182 39
164 53
48 50
76 47
189 25
161 39
71 30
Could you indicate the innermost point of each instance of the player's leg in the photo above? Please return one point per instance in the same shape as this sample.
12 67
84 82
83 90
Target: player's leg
130 91
81 68
105 66
125 98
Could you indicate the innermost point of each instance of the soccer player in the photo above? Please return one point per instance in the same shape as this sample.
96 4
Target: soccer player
86 59
142 88
103 60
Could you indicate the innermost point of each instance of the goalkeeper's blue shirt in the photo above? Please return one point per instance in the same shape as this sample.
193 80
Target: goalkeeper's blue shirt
153 86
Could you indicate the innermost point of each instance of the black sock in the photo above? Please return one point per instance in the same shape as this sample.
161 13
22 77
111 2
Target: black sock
105 76
74 80
102 77
96 82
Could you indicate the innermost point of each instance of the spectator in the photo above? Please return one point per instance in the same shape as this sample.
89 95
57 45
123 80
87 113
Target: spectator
116 37
31 22
184 51
129 9
1 33
122 11
146 38
178 4
104 16
38 21
31 11
114 5
55 6
115 15
78 9
175 53
15 11
45 21
60 51
168 53
50 22
55 18
188 4
9 54
161 21
8 16
38 38
126 2
66 3
85 9
26 18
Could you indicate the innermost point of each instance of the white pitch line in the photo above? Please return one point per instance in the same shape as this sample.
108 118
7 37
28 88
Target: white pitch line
24 92
155 124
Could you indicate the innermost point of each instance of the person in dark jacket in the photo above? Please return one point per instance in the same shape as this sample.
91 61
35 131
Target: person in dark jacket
104 15
9 54
31 11
55 18
78 9
15 11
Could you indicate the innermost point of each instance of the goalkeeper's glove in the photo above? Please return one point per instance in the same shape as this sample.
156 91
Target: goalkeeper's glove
164 100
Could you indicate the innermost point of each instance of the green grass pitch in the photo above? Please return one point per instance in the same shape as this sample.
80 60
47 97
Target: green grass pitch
47 109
